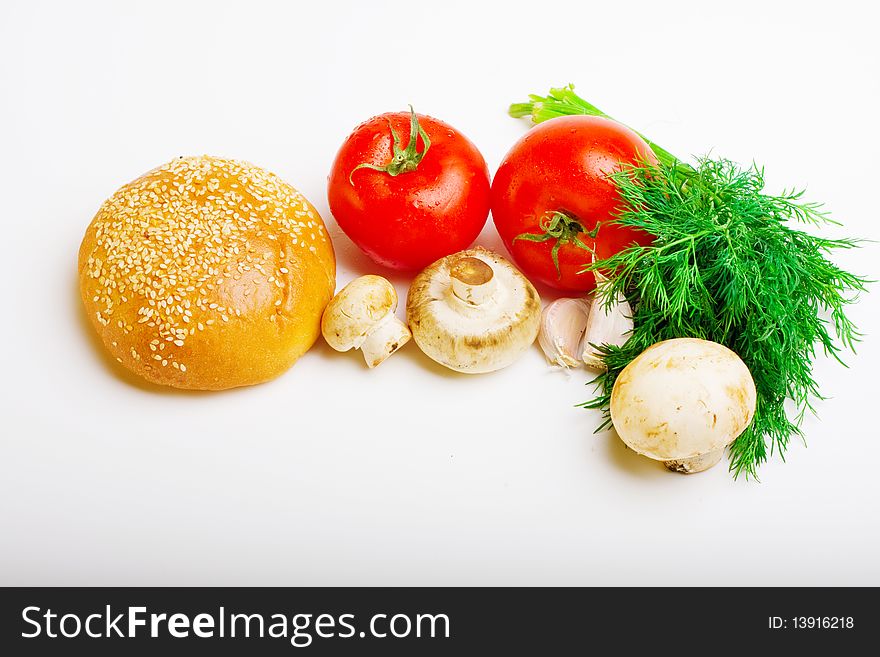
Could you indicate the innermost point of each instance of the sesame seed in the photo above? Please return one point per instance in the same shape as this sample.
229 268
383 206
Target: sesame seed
188 226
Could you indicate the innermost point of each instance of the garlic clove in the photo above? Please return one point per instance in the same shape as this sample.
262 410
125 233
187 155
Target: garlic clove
562 327
605 325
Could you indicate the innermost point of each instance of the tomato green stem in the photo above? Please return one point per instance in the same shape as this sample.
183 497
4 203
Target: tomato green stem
563 228
403 160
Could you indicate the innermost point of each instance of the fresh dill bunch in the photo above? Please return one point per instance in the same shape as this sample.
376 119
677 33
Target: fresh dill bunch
727 264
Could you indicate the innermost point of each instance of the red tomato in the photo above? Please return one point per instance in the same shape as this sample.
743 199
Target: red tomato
552 189
407 202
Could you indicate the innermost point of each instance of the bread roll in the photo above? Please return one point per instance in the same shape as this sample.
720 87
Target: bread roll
207 273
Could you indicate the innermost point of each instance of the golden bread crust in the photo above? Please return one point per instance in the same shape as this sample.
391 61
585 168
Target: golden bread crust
207 273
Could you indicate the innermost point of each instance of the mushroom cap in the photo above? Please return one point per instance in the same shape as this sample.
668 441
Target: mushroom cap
682 398
356 310
473 337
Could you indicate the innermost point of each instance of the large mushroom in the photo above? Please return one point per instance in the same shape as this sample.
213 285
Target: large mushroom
473 311
682 402
361 316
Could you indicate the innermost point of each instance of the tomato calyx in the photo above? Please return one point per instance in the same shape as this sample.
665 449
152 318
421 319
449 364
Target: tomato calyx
406 159
565 229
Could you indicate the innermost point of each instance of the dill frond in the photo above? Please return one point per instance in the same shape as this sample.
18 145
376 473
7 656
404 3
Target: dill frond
727 265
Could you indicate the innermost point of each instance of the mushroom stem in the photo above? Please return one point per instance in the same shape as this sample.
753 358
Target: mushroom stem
389 335
696 464
472 280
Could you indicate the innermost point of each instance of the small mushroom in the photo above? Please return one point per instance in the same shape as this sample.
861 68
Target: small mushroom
473 311
682 402
361 316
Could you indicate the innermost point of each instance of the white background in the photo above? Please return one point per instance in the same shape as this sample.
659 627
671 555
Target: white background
408 474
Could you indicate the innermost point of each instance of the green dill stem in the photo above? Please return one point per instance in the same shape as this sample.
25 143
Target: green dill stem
519 110
563 101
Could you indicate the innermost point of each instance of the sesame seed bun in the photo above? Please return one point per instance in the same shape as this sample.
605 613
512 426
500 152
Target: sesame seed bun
206 274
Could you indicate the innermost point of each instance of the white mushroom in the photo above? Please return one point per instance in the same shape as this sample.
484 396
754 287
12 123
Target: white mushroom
562 329
361 316
682 402
473 311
